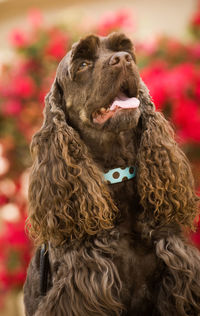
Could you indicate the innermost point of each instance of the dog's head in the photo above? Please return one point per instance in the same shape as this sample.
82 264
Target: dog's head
100 82
98 91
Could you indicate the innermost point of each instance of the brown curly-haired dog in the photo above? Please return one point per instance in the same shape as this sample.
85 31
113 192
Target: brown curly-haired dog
118 248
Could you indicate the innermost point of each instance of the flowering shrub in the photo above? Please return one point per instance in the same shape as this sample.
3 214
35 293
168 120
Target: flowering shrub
171 70
175 88
15 247
23 86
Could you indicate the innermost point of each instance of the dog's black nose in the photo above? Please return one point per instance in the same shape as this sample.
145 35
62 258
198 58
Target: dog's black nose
119 58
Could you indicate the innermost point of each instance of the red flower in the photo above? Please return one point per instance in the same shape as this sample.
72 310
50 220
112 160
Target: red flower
15 234
195 22
196 236
180 80
186 116
28 66
197 89
155 76
196 19
57 45
3 199
18 38
11 107
42 94
23 86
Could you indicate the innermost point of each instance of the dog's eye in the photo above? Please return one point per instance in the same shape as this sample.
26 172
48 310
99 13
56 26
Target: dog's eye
83 65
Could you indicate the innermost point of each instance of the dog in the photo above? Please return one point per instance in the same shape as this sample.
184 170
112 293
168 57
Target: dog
111 195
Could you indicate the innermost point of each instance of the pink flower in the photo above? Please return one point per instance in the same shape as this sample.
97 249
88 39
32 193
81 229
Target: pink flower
18 38
12 107
114 21
35 18
194 50
148 47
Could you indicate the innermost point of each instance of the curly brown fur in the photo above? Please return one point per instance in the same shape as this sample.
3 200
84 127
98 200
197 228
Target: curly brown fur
114 249
83 289
180 286
165 183
63 203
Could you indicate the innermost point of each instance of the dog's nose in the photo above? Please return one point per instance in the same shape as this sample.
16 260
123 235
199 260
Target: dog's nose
119 58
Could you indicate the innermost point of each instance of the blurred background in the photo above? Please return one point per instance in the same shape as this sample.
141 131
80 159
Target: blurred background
34 36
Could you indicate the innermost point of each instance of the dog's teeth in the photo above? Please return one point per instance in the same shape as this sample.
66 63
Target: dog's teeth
102 110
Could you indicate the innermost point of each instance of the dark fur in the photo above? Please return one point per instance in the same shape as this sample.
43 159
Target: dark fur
114 249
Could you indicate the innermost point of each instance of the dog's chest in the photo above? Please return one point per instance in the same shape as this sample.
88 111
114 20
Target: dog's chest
135 259
125 196
138 269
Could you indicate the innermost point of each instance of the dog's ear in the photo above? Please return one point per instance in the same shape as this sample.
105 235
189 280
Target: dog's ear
165 182
67 197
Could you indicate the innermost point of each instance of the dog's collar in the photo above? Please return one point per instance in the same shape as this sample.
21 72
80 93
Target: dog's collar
119 174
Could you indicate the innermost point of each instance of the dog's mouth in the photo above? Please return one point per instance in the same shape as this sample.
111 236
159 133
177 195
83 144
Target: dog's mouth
122 101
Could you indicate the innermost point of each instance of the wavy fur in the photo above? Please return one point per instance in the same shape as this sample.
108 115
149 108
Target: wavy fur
118 249
88 288
165 181
64 205
180 290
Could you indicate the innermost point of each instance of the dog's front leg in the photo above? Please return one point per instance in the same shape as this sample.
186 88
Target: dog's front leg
85 282
180 288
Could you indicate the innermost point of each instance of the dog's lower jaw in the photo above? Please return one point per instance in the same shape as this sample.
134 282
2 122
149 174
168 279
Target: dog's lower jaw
123 120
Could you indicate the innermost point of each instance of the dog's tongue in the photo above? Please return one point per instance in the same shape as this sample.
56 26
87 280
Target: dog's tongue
121 101
124 102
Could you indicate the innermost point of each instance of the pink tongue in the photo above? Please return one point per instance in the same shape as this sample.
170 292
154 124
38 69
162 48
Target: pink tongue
125 103
121 101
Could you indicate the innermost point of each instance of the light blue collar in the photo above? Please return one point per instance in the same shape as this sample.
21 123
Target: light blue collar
119 174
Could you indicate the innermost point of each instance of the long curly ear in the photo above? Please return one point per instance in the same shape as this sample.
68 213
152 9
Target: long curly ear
67 197
165 182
